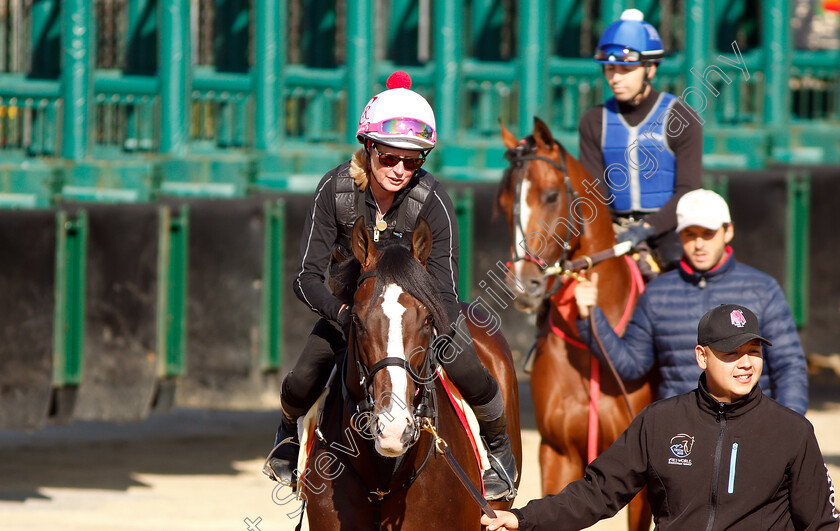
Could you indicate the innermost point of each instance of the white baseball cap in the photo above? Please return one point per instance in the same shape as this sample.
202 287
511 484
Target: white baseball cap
703 208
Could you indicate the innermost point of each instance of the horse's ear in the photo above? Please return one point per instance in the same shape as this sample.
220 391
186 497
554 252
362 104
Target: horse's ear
360 241
421 241
508 139
543 135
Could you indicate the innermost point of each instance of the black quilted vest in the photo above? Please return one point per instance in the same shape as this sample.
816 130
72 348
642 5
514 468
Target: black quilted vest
350 204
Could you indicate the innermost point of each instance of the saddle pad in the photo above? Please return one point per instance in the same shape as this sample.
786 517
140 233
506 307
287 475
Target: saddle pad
309 422
467 418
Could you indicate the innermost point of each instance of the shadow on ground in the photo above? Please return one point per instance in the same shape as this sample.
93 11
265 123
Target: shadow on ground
100 455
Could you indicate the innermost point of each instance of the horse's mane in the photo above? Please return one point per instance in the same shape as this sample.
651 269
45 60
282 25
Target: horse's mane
395 265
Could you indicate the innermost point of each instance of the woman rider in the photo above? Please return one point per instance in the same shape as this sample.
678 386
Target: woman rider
384 182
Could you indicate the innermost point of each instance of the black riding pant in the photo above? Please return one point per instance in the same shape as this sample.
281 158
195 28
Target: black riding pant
305 382
326 345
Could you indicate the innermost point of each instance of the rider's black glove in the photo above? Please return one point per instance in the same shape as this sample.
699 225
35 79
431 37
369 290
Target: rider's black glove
636 234
343 320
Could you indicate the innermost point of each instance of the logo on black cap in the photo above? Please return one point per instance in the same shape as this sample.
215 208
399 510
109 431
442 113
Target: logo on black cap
727 327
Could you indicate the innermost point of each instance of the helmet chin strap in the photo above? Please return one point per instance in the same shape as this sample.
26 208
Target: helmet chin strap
645 84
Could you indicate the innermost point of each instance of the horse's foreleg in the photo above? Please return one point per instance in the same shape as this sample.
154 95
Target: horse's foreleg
557 469
638 513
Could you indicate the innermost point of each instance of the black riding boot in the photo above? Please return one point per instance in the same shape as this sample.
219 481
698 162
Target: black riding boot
282 461
300 390
500 479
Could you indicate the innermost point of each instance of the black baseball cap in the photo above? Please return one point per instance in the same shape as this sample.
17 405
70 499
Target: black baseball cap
727 327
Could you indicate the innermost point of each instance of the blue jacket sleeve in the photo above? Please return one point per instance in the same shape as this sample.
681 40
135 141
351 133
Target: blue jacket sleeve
633 354
784 361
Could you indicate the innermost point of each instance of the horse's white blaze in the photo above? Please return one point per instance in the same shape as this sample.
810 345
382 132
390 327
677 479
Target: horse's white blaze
396 417
521 223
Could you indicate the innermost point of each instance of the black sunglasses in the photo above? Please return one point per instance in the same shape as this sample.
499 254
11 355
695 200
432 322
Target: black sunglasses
390 160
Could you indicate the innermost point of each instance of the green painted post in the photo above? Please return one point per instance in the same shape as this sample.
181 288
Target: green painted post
533 58
270 54
273 285
797 245
76 77
777 50
174 63
610 12
359 80
464 209
173 265
448 54
698 43
69 320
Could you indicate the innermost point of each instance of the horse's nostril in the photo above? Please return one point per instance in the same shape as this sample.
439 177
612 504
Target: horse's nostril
535 287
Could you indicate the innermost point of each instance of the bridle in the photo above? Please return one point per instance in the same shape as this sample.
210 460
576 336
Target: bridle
426 406
519 157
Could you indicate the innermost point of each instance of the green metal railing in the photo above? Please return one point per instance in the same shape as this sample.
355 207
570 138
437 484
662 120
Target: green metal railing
69 320
173 264
273 283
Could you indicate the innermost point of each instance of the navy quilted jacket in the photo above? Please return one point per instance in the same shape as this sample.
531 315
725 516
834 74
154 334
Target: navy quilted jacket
663 330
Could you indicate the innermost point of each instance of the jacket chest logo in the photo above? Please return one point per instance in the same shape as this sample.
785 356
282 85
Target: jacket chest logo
681 446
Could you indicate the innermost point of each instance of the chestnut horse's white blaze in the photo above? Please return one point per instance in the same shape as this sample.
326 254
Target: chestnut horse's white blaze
394 417
522 223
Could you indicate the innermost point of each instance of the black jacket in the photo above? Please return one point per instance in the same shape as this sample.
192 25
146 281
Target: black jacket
746 466
321 234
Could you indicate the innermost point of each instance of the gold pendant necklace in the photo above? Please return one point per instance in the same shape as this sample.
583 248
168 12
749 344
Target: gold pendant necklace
380 223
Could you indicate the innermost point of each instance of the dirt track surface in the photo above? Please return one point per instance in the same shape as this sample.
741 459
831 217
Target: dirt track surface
201 470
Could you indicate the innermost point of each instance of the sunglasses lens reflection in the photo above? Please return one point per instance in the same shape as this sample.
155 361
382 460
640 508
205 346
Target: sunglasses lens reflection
390 160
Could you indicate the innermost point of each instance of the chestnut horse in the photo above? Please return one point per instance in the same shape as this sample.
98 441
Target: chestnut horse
556 214
373 465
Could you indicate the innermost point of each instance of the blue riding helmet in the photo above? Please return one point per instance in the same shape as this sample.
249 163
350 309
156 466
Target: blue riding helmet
629 40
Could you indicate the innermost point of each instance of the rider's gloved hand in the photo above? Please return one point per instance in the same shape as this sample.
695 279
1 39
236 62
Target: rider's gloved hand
636 234
344 319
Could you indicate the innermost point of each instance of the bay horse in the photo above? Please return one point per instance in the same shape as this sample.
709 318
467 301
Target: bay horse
552 208
373 466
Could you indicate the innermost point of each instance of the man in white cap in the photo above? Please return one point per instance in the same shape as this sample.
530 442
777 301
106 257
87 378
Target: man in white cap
661 332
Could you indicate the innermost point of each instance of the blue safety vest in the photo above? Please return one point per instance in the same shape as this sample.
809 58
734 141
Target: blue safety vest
640 166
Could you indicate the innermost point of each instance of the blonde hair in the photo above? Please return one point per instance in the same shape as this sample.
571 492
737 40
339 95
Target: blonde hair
360 169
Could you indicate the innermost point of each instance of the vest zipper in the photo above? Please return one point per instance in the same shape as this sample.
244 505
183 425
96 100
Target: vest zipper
721 415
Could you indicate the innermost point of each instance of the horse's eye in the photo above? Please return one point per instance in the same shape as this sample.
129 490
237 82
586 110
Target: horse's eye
429 321
551 196
358 323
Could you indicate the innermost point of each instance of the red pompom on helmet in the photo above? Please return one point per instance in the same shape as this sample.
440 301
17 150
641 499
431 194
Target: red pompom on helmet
398 117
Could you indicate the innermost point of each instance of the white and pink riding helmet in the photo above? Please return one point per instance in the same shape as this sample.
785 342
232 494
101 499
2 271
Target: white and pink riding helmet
398 117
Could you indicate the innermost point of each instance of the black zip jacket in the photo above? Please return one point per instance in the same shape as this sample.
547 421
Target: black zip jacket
752 465
321 233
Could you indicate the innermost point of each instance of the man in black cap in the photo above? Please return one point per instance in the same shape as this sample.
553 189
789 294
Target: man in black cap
723 456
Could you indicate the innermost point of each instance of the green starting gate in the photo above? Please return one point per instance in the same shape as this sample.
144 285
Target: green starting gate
171 103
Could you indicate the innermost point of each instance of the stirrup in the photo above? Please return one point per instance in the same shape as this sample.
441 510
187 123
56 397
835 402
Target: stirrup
273 467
